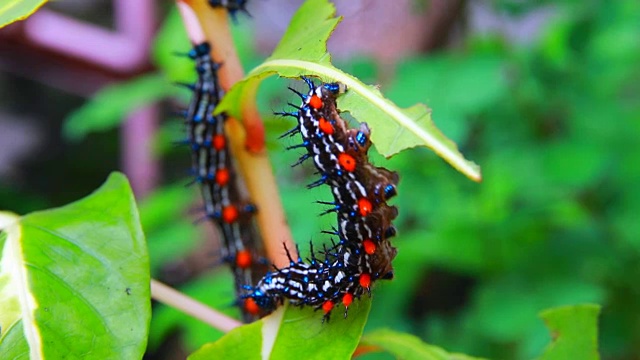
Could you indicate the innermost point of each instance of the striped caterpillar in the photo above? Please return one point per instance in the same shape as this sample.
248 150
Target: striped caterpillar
214 171
345 270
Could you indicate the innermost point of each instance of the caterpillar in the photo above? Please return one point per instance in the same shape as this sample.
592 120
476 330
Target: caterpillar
233 6
363 253
214 172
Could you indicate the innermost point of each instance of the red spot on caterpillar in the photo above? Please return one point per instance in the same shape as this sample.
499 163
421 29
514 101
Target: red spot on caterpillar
364 206
347 162
325 126
327 306
365 280
222 176
369 246
230 214
315 102
219 142
251 307
243 259
347 299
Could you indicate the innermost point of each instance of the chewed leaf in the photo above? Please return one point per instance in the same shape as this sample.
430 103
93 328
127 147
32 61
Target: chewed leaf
74 280
303 51
14 10
293 333
574 330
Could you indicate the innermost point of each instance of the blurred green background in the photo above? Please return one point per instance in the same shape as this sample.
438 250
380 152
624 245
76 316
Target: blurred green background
554 122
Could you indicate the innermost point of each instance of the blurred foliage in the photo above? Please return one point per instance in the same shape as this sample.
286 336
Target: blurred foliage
555 126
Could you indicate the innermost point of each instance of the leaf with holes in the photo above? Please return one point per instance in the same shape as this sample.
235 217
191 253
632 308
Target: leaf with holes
574 330
74 281
303 51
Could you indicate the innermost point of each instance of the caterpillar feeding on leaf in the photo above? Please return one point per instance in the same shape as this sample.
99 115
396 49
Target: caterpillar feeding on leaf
363 253
214 171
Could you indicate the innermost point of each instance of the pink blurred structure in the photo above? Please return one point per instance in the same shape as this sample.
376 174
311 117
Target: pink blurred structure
104 56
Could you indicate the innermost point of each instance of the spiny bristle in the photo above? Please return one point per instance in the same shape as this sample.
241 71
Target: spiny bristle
301 95
290 133
301 160
191 87
309 82
286 113
294 106
304 144
182 113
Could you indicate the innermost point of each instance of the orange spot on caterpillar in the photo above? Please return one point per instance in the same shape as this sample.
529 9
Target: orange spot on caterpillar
364 206
219 142
222 176
230 214
243 259
347 299
369 246
315 102
251 307
327 306
347 162
325 126
365 280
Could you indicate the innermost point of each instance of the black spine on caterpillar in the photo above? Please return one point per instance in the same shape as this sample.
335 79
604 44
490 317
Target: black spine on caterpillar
232 6
360 192
214 171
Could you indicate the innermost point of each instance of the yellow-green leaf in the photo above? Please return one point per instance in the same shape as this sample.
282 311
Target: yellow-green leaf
303 51
408 347
574 330
14 10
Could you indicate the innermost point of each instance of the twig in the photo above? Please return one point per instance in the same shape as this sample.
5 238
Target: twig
249 152
187 305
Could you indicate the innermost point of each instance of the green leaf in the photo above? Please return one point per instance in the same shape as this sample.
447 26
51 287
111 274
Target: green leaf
293 333
574 330
111 105
74 281
303 51
14 10
172 39
407 346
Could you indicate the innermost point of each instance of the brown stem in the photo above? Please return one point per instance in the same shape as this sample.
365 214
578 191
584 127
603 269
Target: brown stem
247 142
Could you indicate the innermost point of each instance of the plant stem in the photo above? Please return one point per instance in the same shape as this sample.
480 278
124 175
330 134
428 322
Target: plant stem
187 305
247 143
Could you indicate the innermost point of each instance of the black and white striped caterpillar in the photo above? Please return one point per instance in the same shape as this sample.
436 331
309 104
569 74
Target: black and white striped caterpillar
214 171
346 270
